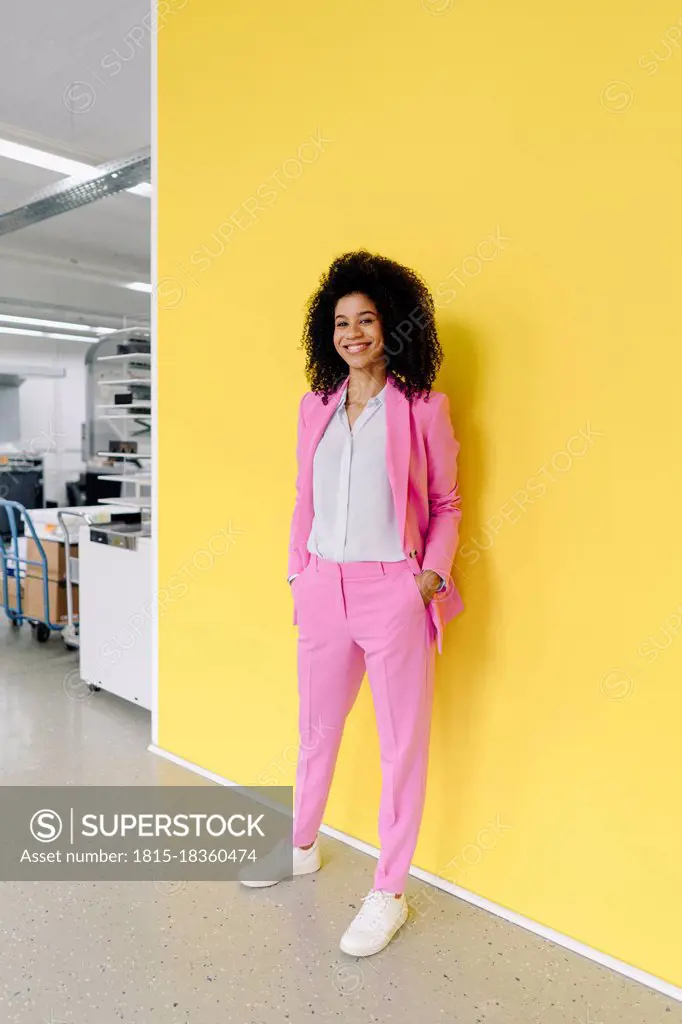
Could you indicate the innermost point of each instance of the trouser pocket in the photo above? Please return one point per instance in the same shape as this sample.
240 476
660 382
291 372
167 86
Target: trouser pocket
414 587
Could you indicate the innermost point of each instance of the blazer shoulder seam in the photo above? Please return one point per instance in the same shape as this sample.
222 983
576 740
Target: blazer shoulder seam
437 405
305 401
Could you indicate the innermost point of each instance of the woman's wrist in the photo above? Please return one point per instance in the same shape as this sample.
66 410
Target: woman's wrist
431 580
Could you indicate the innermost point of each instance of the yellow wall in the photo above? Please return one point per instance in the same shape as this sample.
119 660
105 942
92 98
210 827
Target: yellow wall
554 787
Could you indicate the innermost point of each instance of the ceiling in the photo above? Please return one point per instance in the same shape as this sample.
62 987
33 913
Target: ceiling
75 81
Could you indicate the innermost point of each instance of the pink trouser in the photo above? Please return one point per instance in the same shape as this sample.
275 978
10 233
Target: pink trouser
354 616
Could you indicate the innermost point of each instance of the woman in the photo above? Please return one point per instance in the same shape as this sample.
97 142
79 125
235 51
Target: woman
373 538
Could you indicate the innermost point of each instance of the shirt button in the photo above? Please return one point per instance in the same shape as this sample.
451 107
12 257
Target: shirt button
413 554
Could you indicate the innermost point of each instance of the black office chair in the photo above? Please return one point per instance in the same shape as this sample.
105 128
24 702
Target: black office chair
75 493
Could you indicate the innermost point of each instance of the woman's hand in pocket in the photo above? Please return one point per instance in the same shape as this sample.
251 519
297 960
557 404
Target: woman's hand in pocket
428 583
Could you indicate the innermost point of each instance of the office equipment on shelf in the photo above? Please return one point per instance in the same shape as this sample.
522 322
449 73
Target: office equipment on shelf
119 417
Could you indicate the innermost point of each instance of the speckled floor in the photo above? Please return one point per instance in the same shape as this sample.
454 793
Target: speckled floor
214 952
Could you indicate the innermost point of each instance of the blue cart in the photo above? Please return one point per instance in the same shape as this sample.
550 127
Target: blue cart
11 567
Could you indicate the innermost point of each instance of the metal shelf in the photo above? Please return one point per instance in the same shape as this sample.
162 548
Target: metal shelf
128 380
143 404
140 503
131 416
122 455
128 478
122 356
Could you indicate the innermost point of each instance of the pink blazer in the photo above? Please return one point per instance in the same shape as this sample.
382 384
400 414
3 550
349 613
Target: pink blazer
421 454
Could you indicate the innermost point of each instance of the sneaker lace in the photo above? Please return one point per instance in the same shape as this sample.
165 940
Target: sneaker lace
373 906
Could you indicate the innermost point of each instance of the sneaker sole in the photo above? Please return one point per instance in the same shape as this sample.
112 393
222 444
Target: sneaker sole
347 947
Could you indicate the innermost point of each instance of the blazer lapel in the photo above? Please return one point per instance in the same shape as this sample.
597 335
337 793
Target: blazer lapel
398 450
320 416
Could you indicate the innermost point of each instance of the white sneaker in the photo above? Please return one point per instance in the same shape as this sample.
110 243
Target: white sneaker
375 924
276 864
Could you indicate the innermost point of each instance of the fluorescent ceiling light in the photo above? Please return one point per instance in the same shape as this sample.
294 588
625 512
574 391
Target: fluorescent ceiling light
139 286
39 158
58 164
47 334
34 322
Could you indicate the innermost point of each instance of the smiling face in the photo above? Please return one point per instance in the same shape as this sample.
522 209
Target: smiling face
358 337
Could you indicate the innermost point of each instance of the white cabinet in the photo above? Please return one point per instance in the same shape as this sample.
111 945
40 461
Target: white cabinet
116 604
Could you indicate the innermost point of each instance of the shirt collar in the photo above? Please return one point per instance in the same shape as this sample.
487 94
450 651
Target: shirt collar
377 400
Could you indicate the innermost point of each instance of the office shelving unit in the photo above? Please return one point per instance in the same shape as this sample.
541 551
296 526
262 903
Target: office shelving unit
119 416
115 562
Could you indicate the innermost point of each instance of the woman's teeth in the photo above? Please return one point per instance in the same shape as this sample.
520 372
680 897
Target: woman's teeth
357 348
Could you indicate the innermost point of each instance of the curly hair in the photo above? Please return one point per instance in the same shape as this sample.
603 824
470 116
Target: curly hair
412 351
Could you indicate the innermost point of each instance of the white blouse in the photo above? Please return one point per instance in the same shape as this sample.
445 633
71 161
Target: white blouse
354 511
355 518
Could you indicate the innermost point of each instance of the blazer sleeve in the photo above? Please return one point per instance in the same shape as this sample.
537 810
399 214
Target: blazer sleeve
295 562
442 449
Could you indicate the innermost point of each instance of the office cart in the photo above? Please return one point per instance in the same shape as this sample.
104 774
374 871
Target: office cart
12 561
70 633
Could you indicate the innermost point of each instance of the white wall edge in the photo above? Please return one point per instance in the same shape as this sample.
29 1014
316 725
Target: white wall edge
153 313
565 941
